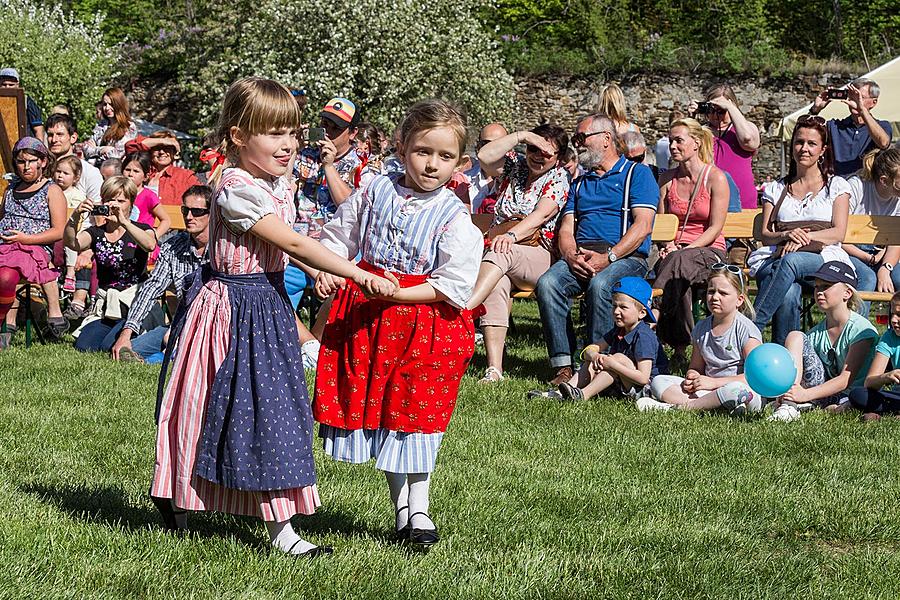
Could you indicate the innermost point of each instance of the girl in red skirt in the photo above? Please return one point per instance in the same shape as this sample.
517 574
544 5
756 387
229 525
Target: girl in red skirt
389 368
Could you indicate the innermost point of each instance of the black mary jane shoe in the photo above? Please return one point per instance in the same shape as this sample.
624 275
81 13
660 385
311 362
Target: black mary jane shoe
312 552
422 538
164 506
402 535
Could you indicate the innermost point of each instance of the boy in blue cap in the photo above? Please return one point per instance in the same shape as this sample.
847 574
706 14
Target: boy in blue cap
628 357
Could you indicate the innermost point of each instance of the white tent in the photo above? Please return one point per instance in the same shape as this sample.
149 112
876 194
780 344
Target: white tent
887 76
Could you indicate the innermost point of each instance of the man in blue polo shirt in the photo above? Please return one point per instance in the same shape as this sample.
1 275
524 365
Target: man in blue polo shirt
603 236
854 136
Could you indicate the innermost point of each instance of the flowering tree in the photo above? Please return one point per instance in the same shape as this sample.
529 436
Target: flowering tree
382 55
60 59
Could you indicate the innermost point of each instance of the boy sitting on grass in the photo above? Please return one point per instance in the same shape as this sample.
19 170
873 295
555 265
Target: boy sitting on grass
627 358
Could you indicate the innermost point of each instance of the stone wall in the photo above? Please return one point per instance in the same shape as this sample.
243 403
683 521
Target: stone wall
649 98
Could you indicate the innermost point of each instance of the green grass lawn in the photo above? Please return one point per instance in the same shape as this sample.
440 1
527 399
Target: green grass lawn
534 499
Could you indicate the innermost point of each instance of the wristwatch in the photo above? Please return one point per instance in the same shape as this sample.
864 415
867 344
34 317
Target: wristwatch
612 256
888 266
512 235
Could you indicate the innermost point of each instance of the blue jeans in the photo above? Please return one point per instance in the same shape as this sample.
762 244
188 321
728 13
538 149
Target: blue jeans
558 286
99 336
149 342
779 281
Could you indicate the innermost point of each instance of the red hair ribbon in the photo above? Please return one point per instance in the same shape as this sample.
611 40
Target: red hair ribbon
210 154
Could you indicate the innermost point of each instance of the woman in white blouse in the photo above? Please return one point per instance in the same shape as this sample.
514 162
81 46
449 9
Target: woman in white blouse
804 221
115 130
532 190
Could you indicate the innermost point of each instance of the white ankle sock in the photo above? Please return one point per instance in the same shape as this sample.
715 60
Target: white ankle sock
399 497
286 539
418 500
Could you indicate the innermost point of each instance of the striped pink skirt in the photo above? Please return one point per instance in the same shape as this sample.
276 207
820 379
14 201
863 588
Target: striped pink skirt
203 346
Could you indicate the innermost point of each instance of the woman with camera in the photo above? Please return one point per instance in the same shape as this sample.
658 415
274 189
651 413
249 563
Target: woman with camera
531 191
121 248
736 139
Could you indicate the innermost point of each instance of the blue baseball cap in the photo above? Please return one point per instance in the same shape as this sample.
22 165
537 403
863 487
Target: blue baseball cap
639 289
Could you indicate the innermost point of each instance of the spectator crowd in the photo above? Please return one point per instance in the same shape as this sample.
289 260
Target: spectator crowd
88 217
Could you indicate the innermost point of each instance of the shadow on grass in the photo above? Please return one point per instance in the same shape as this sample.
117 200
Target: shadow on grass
110 506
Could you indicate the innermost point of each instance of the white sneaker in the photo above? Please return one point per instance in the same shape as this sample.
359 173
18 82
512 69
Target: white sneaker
785 412
646 404
310 352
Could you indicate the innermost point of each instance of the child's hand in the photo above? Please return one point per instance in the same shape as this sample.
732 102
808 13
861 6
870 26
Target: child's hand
689 385
374 286
702 382
601 361
327 284
797 394
893 376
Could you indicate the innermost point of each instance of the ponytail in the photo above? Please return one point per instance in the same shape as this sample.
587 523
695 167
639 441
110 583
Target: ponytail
880 163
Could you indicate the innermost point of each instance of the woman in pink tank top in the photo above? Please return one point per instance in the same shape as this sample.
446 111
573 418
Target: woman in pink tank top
697 193
736 140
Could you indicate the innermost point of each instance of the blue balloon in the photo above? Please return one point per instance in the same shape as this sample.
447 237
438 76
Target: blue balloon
770 370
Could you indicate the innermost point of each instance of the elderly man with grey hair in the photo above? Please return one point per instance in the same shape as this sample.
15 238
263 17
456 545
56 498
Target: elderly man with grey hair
603 235
857 134
636 150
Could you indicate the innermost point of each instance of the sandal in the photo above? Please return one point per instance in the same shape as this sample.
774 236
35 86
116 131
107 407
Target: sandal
492 375
548 394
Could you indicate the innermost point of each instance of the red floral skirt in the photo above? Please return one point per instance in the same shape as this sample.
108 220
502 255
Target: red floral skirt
389 365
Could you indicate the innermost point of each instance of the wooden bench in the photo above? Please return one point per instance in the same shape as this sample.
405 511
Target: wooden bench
861 229
665 227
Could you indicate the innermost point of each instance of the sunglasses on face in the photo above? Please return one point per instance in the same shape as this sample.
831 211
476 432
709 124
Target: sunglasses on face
731 269
805 119
194 212
579 138
536 150
638 158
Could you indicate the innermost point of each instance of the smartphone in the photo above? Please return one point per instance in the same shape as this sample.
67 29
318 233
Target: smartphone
838 94
316 134
100 211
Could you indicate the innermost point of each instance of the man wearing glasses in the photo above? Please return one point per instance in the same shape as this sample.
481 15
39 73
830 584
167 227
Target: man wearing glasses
603 236
180 255
854 136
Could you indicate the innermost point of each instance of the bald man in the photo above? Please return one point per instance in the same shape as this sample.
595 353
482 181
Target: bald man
482 185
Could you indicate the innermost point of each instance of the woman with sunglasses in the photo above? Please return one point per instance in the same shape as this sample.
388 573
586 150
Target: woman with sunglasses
834 356
804 220
121 248
168 180
531 191
697 193
875 191
736 139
